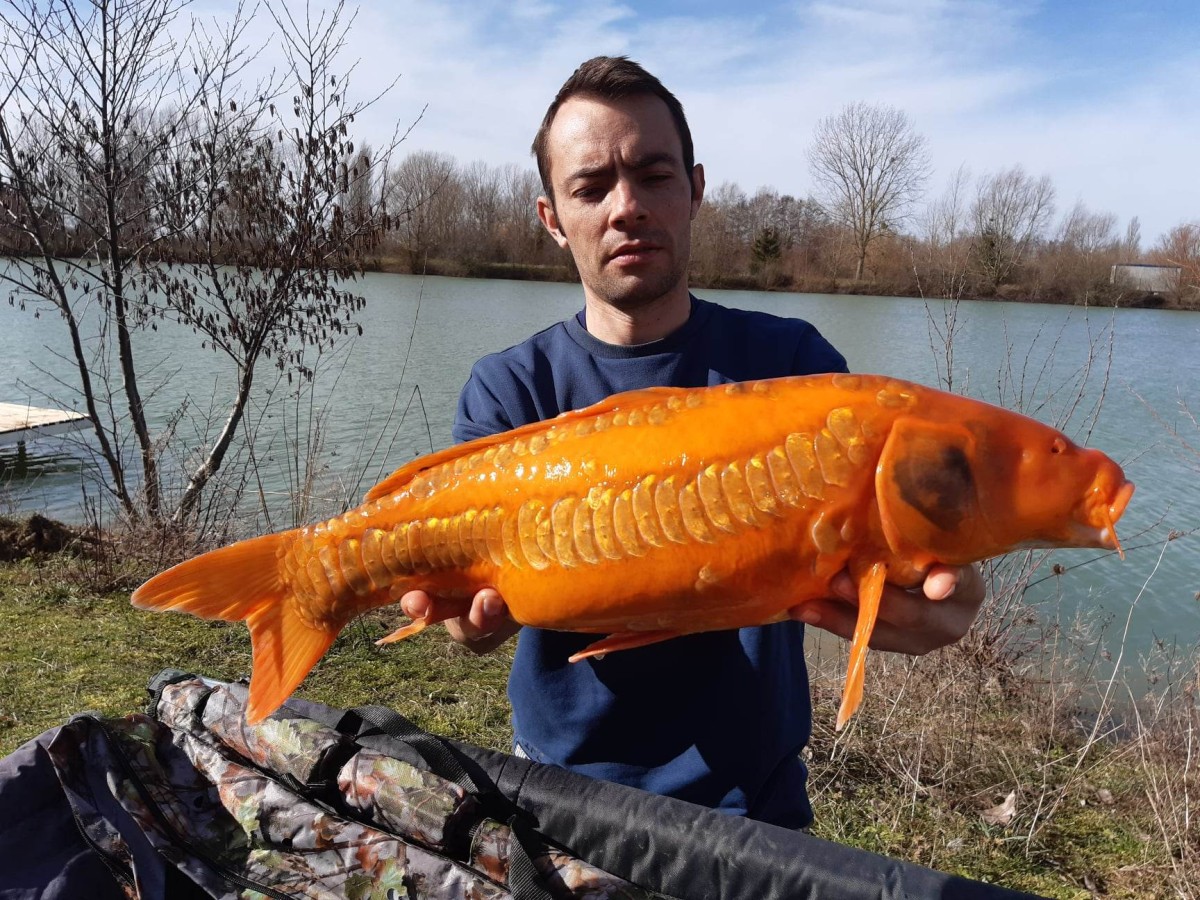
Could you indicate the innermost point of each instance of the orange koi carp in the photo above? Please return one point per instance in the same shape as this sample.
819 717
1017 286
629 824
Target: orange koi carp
668 511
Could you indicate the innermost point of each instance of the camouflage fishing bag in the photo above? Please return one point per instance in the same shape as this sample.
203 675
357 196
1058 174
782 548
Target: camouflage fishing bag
189 801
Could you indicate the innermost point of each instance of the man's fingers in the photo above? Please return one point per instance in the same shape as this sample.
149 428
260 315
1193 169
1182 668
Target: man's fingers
906 610
908 621
488 611
941 582
415 604
828 615
482 627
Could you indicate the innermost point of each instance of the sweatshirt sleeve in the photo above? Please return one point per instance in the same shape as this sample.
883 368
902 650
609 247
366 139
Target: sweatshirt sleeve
480 411
815 355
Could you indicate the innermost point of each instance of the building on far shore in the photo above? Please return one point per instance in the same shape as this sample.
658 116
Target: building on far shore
1146 277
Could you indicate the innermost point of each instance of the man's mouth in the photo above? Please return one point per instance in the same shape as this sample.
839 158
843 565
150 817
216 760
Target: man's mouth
633 253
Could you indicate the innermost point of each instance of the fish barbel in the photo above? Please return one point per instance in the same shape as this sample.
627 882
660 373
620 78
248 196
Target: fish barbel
668 511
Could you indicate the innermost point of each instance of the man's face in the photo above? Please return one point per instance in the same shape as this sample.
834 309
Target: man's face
623 204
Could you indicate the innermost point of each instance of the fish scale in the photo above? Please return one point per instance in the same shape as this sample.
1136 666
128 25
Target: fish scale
786 474
698 511
665 512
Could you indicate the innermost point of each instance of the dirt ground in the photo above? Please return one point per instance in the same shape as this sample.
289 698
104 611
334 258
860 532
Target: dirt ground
21 538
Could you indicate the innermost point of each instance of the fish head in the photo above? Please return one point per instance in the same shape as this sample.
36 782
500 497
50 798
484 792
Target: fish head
991 482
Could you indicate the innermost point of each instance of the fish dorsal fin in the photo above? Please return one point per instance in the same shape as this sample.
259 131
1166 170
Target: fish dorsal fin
626 400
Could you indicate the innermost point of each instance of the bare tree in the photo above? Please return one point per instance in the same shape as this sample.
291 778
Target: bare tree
870 165
422 196
152 185
1080 258
944 229
1011 211
803 223
290 291
78 139
521 234
361 195
1086 231
1131 245
718 243
481 193
1180 247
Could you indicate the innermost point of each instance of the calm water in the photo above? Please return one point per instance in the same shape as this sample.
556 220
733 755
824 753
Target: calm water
1056 363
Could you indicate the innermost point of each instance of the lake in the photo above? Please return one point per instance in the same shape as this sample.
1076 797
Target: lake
1141 368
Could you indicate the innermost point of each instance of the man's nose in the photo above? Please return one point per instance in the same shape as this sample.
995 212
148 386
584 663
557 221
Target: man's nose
627 206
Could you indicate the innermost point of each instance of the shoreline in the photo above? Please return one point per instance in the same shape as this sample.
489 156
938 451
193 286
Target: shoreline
1106 296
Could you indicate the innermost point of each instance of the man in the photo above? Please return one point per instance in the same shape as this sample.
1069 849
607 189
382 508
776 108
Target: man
716 718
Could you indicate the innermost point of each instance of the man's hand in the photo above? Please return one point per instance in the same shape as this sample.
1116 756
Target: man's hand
481 630
910 621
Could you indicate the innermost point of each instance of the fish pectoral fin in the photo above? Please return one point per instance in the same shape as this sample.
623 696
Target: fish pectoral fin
927 490
870 592
623 640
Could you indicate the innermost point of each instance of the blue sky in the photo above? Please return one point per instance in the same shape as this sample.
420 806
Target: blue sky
1104 97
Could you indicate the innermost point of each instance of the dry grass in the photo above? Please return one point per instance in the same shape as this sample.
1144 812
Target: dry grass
1037 771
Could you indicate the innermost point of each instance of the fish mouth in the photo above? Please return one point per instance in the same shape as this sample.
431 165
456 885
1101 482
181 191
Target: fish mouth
1096 525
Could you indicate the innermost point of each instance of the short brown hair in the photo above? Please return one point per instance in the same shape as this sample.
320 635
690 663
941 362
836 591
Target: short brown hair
611 78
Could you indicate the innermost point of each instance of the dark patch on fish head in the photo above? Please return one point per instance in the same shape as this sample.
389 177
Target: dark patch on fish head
938 485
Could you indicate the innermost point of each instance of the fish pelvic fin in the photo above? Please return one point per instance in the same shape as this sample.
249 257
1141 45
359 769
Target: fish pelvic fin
242 582
870 592
623 640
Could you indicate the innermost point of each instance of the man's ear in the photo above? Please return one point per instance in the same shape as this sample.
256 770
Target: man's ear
549 219
697 188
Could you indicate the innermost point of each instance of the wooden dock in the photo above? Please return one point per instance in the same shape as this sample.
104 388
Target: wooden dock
19 422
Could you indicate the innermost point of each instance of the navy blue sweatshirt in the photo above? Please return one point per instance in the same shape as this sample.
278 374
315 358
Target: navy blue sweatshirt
717 718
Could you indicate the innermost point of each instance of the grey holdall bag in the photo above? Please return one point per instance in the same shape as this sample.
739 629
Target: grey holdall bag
188 801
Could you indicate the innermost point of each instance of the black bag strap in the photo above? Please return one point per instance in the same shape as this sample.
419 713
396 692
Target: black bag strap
525 882
438 755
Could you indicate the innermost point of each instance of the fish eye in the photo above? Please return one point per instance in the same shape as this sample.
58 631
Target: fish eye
1059 446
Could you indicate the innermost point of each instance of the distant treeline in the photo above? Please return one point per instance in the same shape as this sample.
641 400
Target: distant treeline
998 236
995 236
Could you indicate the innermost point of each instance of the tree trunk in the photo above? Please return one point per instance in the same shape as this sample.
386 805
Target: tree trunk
216 453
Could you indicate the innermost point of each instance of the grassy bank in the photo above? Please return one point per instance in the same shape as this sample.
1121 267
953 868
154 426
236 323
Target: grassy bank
1097 806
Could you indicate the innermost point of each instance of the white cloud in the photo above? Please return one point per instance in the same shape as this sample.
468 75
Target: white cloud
983 80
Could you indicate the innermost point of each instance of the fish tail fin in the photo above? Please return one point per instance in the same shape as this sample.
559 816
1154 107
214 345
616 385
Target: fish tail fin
285 650
870 591
243 582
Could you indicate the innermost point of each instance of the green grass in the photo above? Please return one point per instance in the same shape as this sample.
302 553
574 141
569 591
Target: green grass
64 650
